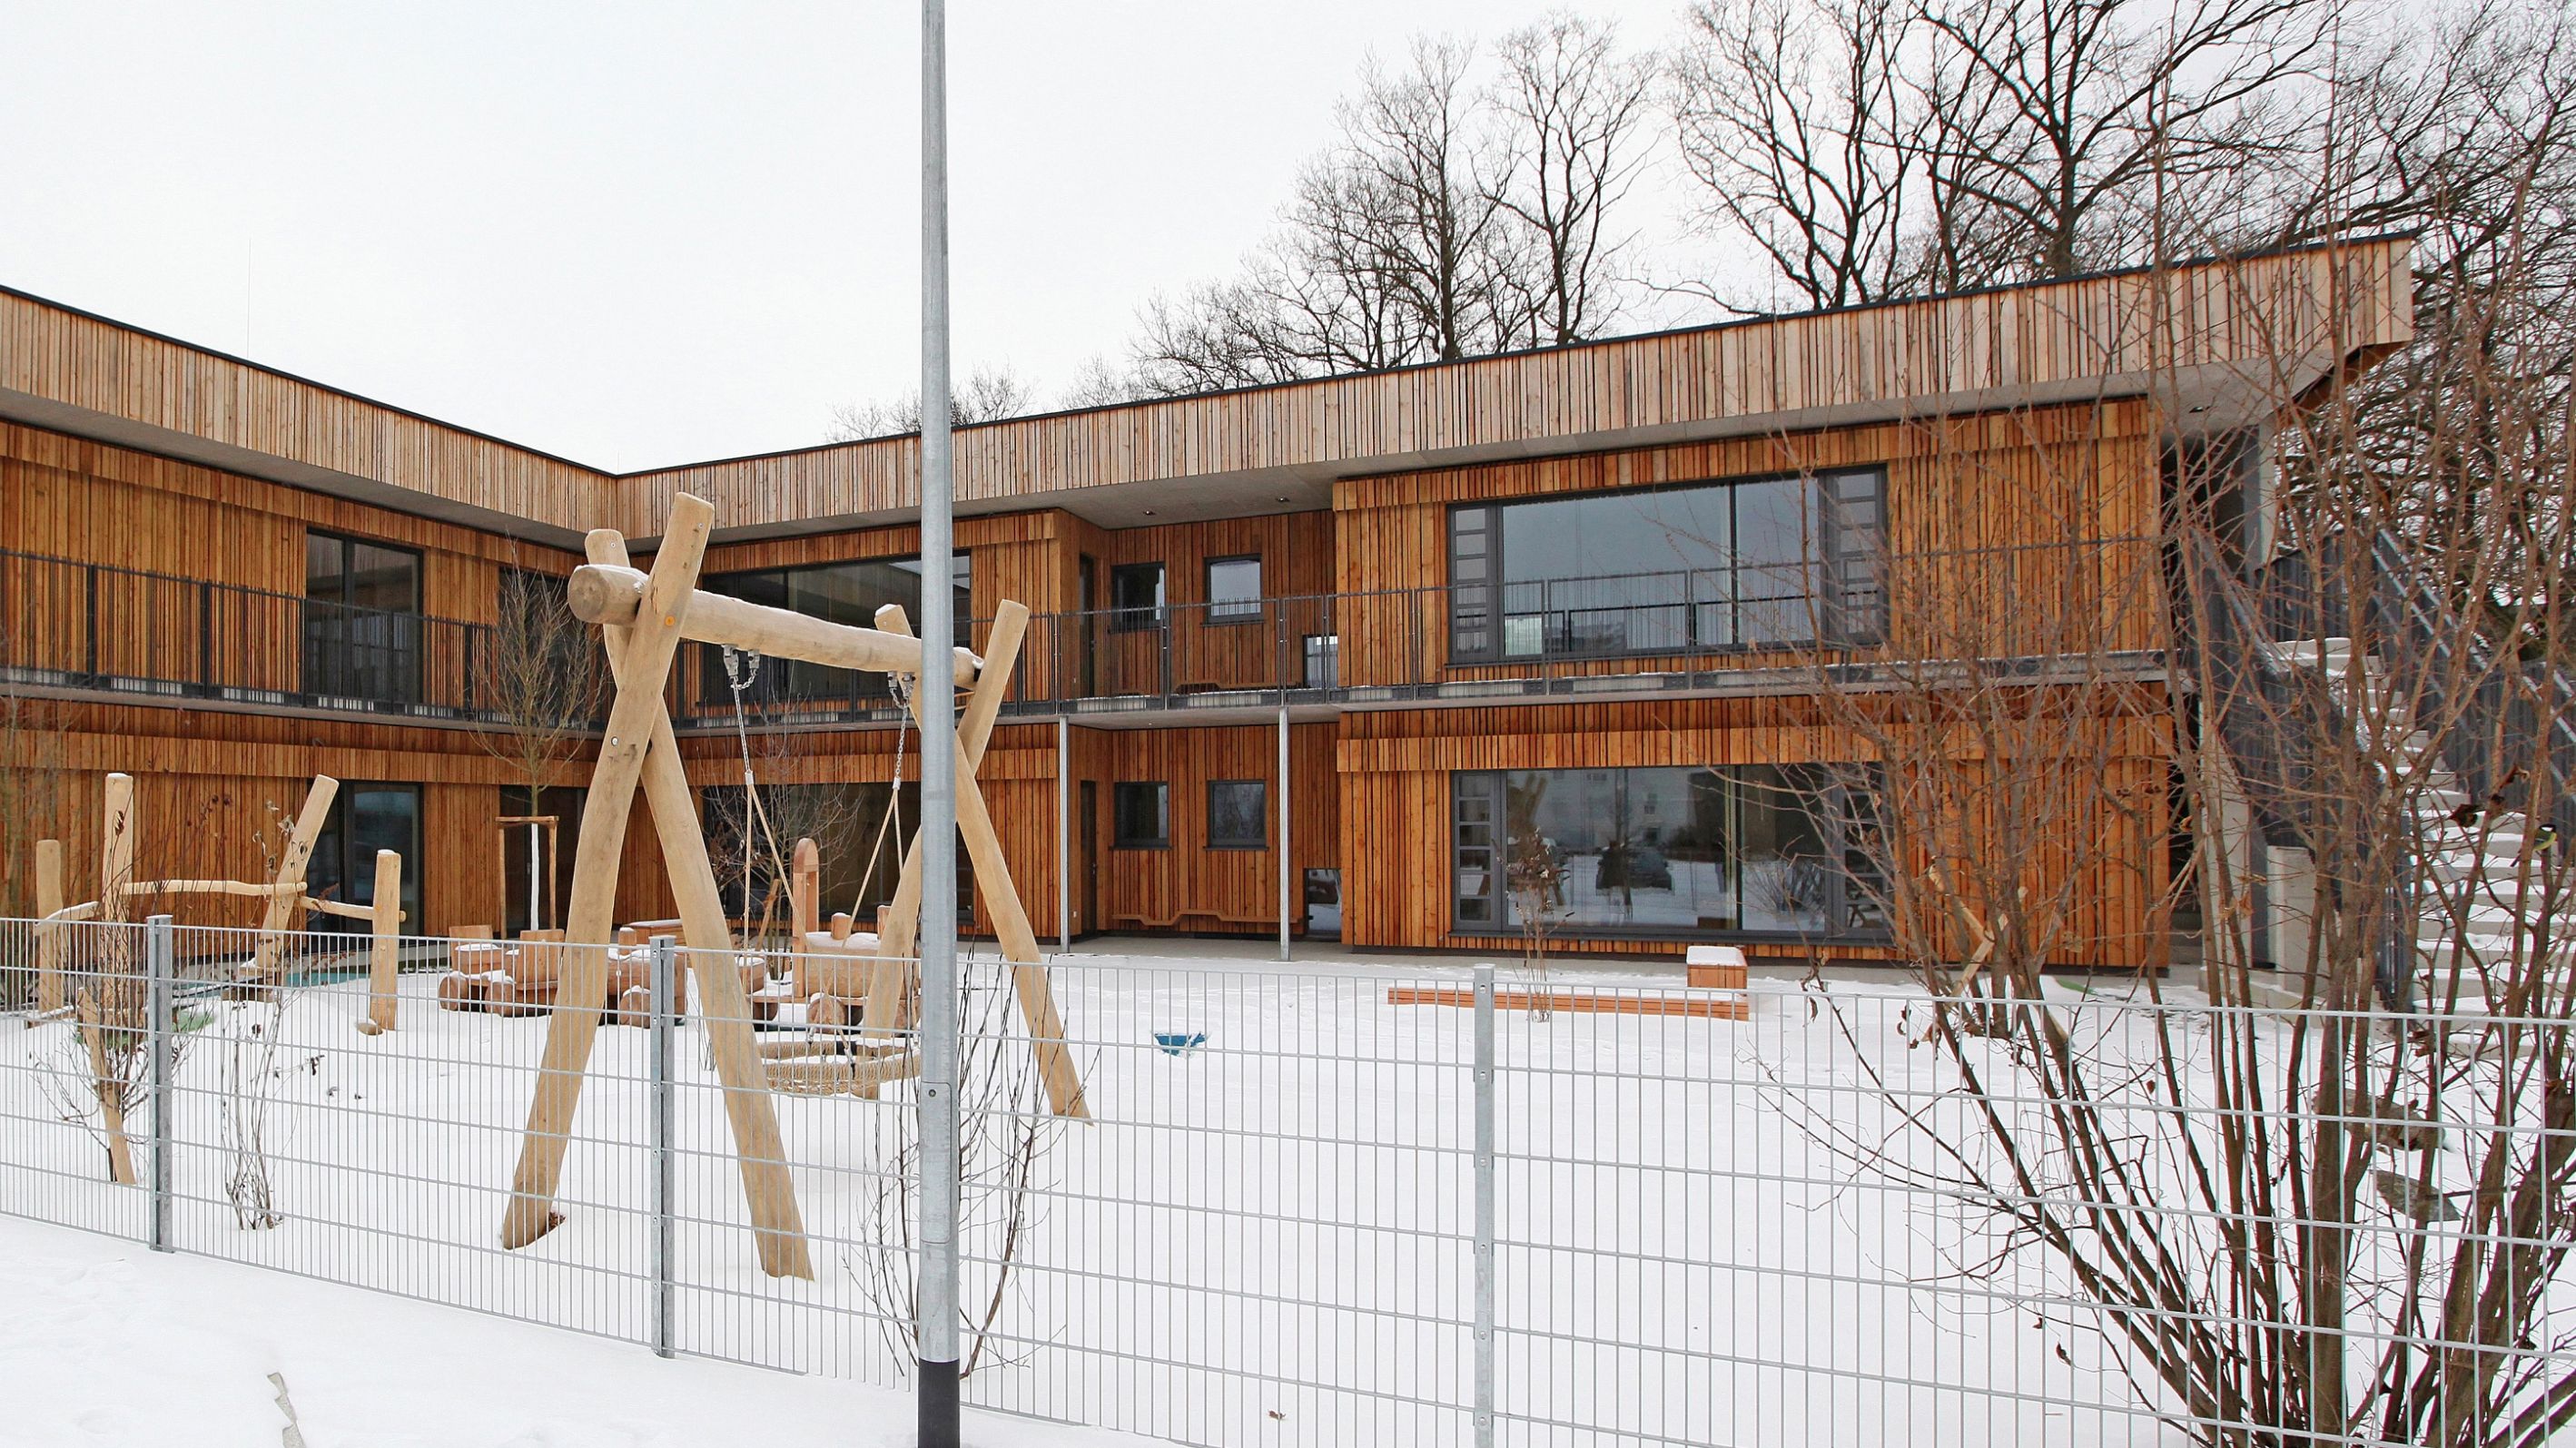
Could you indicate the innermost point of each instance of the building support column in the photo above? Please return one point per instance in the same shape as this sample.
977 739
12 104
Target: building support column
1063 834
1287 858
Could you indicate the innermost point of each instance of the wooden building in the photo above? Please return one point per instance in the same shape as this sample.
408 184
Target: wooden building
1355 646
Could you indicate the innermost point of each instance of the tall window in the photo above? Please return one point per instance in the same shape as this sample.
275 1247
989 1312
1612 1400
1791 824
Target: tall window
1136 596
1141 814
1238 814
362 629
1770 561
1234 590
849 593
1750 849
365 818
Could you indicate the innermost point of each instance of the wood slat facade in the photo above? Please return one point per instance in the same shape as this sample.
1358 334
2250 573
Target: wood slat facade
2021 434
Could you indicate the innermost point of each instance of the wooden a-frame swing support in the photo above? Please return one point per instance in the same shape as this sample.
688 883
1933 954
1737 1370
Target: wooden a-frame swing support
644 618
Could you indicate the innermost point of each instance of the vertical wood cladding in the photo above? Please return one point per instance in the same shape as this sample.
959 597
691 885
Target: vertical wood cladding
1998 516
217 790
2136 327
135 514
1395 773
1188 886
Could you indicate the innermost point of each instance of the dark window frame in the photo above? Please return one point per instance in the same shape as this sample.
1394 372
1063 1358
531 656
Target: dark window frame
1119 839
354 650
350 541
347 868
1139 618
1844 557
1232 612
1238 842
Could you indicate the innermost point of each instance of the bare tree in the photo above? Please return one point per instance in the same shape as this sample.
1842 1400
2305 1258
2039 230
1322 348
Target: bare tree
2054 125
1533 878
987 394
2332 1193
1570 106
540 679
1449 219
1796 118
1005 1134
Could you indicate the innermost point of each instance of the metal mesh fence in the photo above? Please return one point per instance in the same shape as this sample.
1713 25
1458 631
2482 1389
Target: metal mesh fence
1332 1205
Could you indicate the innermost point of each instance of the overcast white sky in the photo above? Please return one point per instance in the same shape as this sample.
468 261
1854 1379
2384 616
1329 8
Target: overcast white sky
643 234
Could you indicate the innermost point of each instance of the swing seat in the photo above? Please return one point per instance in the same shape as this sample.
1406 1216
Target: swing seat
1176 1042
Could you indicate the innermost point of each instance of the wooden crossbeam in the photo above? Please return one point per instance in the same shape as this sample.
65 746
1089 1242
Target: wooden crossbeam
282 911
609 594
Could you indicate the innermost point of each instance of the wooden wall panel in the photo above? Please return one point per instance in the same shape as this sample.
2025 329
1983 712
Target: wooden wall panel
176 526
68 357
212 784
2105 335
1189 887
1395 771
1994 523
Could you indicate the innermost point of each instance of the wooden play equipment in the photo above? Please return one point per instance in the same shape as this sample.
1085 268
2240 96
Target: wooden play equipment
644 617
115 1003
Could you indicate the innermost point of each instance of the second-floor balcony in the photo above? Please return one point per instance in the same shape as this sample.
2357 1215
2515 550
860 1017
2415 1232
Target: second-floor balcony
96 629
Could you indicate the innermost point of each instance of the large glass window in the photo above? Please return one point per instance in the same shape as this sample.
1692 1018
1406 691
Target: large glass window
849 593
1750 849
1706 566
362 628
365 818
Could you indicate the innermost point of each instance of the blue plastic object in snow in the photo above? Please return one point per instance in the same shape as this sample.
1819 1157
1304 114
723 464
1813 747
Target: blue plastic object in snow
1175 1042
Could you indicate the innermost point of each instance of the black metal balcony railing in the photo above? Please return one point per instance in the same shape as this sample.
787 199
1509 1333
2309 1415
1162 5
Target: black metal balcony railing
96 627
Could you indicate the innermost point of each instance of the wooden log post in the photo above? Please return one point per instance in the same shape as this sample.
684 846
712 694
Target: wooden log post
116 847
51 938
639 747
992 868
285 909
805 890
760 1150
384 962
641 662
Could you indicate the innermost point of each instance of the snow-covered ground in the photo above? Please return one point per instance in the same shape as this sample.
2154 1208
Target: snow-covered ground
1263 1238
105 1342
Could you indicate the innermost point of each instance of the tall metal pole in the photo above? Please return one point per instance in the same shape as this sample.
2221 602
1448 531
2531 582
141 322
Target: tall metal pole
1064 835
1288 882
935 1327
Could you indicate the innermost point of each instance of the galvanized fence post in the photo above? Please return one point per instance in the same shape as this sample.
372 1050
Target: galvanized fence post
663 963
1484 1169
160 966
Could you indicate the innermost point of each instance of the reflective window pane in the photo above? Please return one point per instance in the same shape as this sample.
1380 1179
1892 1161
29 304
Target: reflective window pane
1234 589
1238 814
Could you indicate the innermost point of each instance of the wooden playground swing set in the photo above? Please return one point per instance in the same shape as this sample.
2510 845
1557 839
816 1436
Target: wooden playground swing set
644 617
